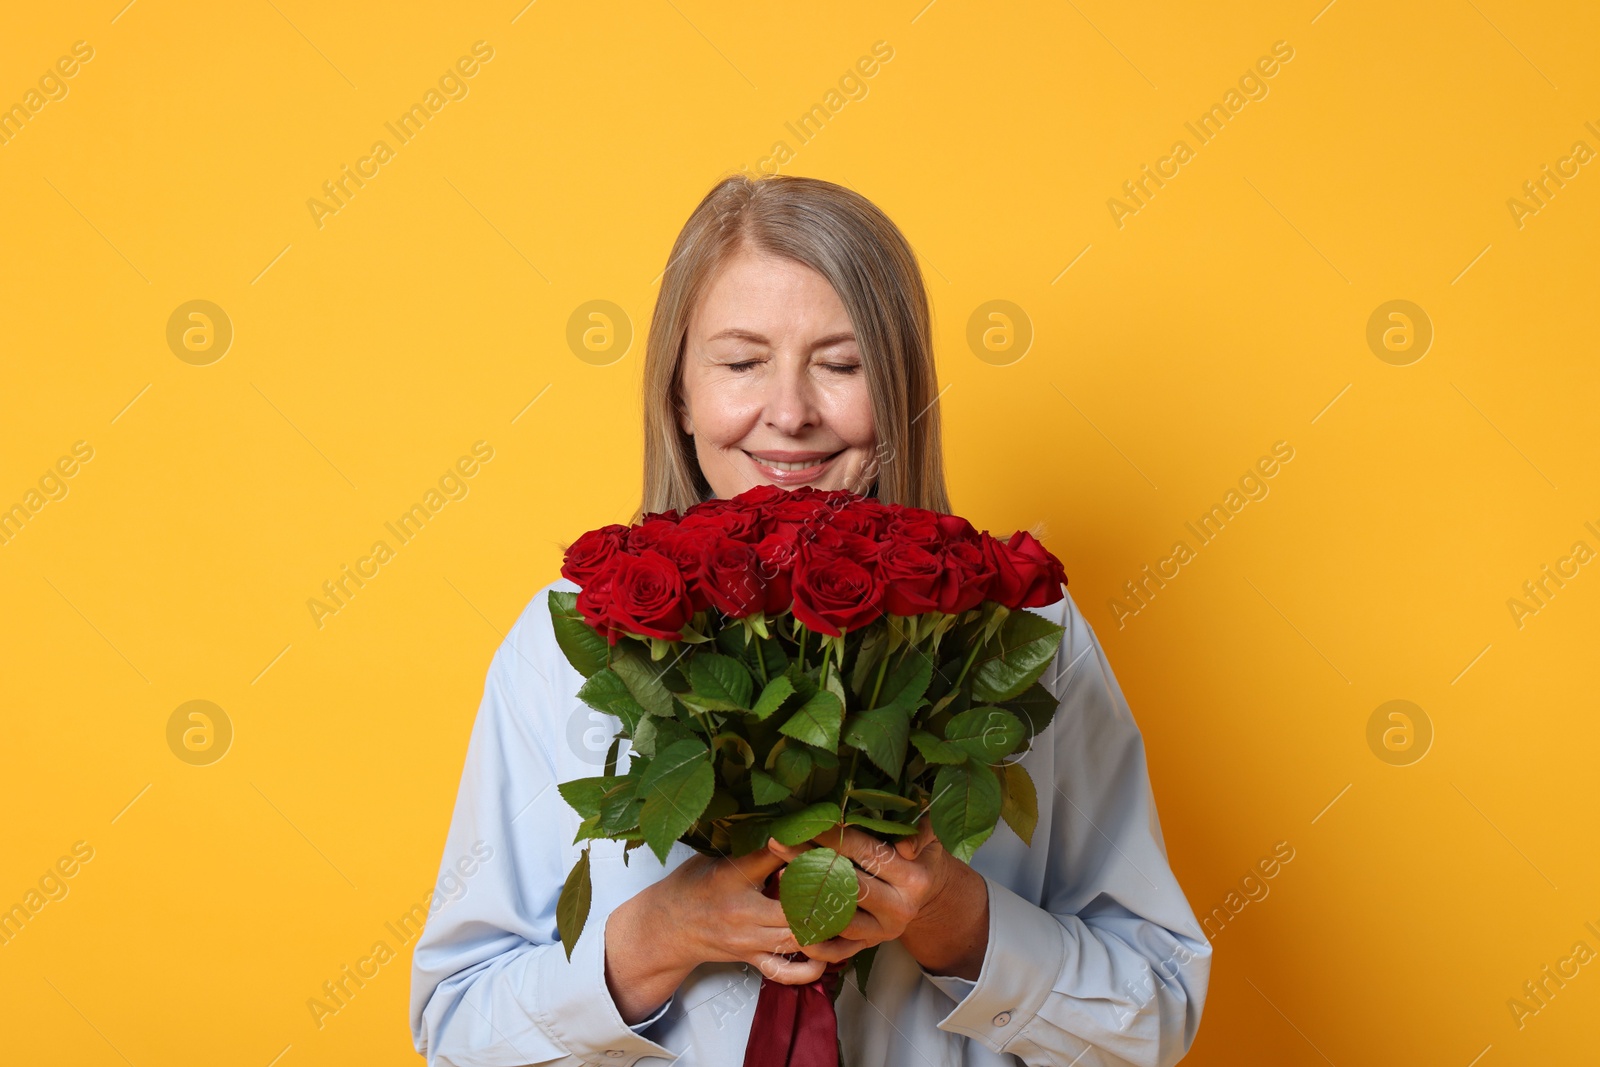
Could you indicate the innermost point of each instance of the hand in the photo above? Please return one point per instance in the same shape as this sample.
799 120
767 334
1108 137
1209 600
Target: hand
706 910
913 891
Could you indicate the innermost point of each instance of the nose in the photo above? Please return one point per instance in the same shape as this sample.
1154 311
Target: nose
791 400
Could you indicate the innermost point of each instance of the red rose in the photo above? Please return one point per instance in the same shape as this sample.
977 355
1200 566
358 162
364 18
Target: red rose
650 533
859 519
777 553
833 593
591 554
964 581
955 528
1026 575
593 600
648 596
759 496
917 525
729 577
910 574
741 524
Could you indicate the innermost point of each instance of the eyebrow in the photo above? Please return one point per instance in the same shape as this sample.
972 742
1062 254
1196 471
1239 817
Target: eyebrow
739 334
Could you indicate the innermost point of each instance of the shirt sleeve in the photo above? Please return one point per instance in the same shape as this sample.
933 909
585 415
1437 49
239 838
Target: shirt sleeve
491 983
1110 968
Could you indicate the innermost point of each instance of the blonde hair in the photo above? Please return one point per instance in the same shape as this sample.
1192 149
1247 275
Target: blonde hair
844 237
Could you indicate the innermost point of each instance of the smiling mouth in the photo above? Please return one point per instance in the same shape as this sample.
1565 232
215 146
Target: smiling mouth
794 468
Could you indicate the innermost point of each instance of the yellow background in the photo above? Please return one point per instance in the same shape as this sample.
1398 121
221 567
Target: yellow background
1227 314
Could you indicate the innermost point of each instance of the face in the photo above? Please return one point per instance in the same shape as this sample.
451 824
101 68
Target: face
772 385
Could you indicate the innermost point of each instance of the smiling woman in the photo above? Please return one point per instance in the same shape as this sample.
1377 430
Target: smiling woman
790 347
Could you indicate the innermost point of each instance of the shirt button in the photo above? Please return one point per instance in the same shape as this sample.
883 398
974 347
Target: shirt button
615 1053
1002 1019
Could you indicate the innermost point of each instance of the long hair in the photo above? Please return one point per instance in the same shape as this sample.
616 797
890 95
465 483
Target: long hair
845 238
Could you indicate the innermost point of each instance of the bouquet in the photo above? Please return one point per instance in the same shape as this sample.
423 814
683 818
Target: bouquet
783 662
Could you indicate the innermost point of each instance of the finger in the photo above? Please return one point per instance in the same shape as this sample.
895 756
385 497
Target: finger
835 949
787 971
756 865
865 928
869 853
911 847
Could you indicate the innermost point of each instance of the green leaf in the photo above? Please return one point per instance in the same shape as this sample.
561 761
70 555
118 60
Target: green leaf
798 827
877 798
619 808
765 789
748 835
673 758
864 670
584 794
643 680
1019 801
881 733
1036 707
606 692
863 966
882 826
772 697
1006 666
720 682
589 829
584 648
817 721
907 681
994 613
936 751
818 891
572 907
737 748
985 733
966 807
676 788
792 765
731 640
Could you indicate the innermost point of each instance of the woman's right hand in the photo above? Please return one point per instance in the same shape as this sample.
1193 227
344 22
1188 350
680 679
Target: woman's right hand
706 910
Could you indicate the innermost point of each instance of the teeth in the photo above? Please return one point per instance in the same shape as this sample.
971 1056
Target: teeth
795 466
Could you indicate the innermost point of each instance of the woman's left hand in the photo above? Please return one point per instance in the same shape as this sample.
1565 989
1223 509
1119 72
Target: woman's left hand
914 891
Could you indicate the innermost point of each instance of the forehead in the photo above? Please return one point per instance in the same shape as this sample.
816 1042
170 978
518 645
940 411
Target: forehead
763 292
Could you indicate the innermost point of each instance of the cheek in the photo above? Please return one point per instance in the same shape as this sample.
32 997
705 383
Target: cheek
849 414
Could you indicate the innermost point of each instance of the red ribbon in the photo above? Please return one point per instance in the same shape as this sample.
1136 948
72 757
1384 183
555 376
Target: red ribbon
795 1025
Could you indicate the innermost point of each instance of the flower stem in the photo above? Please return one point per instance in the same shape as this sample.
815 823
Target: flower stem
972 655
877 685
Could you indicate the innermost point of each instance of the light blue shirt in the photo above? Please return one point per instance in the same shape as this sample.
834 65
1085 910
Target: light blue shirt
1094 957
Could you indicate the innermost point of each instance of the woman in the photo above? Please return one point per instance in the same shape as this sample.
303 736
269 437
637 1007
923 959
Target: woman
790 346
